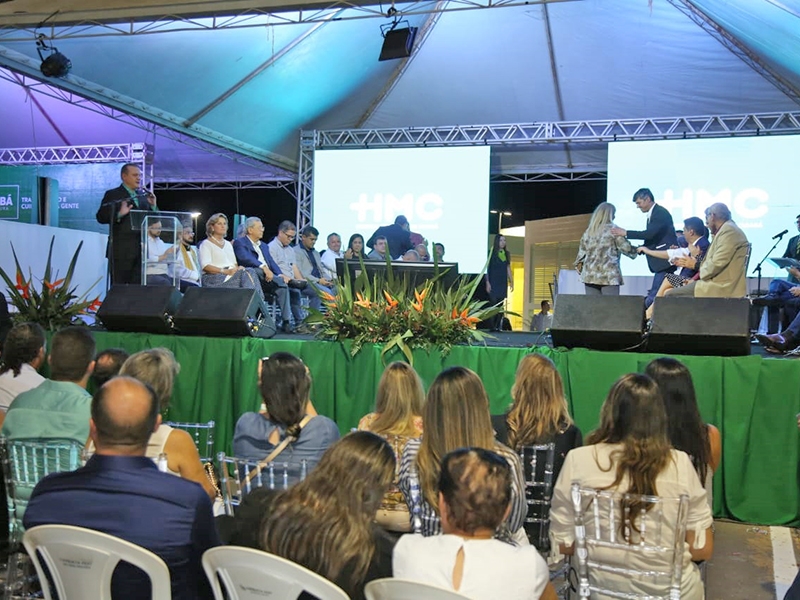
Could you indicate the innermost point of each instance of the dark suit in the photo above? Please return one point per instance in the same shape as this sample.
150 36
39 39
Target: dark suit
398 240
124 250
792 252
246 256
659 235
128 497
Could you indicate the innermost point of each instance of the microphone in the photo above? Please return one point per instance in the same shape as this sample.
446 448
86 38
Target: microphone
780 235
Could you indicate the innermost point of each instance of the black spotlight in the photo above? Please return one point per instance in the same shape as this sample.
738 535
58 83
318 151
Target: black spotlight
56 64
397 41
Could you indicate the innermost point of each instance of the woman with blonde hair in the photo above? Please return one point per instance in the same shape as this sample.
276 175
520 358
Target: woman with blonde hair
539 413
325 522
630 452
456 415
599 252
397 419
158 368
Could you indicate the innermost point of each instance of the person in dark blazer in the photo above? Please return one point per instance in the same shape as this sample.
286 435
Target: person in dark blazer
124 251
398 237
659 235
272 283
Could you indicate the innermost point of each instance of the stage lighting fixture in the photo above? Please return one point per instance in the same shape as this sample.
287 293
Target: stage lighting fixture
55 64
397 41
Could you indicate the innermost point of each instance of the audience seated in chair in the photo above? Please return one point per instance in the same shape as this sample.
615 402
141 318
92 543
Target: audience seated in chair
687 431
289 430
397 419
630 452
538 415
58 408
23 355
474 499
158 369
456 415
122 493
107 365
325 523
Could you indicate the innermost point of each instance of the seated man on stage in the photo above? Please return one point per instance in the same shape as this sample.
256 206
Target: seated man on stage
251 252
187 263
784 293
722 272
308 261
788 339
159 254
689 258
285 259
378 249
329 256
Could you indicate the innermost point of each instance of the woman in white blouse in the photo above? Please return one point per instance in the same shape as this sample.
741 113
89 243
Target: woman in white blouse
218 261
630 452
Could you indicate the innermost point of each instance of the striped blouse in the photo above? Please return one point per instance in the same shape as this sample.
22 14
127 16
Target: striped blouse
430 523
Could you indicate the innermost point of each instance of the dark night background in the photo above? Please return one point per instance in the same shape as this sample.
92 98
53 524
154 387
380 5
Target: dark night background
526 202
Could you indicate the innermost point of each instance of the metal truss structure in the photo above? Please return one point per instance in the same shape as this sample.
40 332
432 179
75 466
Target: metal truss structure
138 154
289 185
532 134
60 27
549 177
131 112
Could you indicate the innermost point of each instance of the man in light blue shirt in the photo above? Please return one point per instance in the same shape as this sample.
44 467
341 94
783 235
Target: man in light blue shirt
283 254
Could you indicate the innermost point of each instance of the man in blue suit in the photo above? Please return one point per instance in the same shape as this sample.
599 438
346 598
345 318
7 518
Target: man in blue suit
252 252
659 235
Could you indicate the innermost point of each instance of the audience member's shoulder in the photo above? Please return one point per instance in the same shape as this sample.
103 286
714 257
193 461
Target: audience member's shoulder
323 423
254 421
500 428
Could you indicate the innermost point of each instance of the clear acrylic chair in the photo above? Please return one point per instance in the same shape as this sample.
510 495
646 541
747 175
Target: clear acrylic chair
238 573
537 468
80 562
239 476
402 589
202 434
624 552
25 463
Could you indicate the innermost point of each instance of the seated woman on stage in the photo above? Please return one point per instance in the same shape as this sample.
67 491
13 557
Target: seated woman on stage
398 406
630 452
685 426
355 247
218 260
325 523
456 415
474 495
289 430
158 368
689 259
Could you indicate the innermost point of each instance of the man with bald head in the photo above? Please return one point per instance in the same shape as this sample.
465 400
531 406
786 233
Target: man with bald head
122 493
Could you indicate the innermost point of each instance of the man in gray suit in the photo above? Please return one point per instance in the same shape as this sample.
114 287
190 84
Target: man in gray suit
308 261
722 272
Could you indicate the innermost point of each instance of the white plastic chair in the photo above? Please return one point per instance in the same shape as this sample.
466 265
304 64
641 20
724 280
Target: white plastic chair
611 541
202 434
247 574
403 589
80 562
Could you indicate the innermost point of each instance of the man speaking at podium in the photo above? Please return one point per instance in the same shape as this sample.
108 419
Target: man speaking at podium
124 251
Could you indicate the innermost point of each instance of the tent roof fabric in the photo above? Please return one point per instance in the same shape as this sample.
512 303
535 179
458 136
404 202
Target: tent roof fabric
257 87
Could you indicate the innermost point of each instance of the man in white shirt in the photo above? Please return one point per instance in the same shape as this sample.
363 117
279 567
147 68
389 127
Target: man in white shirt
187 263
330 255
23 356
542 321
159 255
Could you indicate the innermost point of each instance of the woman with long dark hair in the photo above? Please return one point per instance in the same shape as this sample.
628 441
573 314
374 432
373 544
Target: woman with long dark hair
355 247
630 452
325 523
498 275
289 416
685 426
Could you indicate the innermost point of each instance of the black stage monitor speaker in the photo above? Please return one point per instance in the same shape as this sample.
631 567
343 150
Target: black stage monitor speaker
598 322
224 312
397 43
139 308
701 326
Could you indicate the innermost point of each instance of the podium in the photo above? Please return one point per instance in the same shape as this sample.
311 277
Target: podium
161 237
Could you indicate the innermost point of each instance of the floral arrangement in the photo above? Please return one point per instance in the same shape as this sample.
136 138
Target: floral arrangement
386 310
54 304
